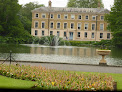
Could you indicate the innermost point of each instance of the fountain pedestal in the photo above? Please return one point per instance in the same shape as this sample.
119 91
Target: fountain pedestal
103 53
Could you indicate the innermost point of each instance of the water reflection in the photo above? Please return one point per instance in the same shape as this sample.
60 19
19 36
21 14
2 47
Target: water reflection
64 54
78 51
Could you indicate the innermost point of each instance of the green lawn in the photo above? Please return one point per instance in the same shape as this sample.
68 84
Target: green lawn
10 83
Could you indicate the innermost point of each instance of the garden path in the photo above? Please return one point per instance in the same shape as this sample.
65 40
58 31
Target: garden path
73 67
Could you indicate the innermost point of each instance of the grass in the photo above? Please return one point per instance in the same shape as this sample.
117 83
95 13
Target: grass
11 83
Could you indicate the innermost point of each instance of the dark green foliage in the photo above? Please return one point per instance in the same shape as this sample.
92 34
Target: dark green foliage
115 22
27 40
25 14
15 21
10 25
79 43
84 3
103 42
11 28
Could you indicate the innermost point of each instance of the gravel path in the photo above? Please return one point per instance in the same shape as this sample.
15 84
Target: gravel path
71 67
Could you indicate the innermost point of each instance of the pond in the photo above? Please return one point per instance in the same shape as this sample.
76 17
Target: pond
61 54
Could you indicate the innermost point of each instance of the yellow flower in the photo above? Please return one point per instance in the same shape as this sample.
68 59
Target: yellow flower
34 76
82 79
93 84
53 83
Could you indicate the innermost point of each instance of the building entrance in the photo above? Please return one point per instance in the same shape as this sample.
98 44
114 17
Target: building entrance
71 35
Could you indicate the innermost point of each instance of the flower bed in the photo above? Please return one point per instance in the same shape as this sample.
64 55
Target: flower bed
58 80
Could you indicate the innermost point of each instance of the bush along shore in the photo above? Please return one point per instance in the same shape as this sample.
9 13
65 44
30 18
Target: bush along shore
59 80
46 40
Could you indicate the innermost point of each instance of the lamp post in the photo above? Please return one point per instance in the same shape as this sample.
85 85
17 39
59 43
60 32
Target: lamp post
96 29
48 23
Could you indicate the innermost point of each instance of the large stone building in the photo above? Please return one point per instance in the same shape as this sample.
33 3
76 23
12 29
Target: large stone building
81 24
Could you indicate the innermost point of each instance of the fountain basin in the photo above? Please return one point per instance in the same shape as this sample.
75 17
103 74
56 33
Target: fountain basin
103 53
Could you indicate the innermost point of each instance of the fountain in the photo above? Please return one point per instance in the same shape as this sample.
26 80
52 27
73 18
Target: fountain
103 53
52 41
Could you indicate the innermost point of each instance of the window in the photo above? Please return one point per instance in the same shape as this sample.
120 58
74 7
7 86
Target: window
92 36
72 16
72 25
58 25
65 34
58 33
93 17
37 15
43 15
87 17
101 26
42 32
58 16
78 34
51 25
43 24
51 16
102 17
93 26
65 16
108 35
65 25
86 26
101 35
85 34
79 25
36 32
51 32
79 17
36 24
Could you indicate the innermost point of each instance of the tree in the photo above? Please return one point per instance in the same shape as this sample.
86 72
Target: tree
115 22
25 14
85 3
10 24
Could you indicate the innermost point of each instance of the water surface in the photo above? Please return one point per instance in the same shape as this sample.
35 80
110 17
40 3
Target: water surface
62 54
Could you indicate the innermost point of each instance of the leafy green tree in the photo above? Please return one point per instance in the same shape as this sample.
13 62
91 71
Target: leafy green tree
25 14
10 25
115 22
85 3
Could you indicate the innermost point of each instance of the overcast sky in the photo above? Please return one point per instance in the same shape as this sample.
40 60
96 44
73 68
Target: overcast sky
63 3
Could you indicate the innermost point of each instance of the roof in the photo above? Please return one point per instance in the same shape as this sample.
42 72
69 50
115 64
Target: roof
73 10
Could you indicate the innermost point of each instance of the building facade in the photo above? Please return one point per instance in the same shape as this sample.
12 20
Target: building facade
80 24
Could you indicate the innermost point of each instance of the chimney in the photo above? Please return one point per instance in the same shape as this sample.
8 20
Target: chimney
99 5
49 3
